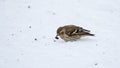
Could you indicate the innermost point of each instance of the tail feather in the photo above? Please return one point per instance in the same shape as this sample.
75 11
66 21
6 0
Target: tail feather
91 34
87 34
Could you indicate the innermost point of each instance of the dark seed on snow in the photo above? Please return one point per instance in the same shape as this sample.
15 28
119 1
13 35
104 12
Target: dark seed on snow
20 30
96 44
30 27
12 34
54 13
29 6
35 39
54 40
96 64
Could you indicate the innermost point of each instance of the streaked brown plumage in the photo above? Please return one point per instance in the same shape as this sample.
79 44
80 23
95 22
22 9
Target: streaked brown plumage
72 33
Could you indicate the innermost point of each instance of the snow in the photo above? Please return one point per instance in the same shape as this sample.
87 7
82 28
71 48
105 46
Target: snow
28 28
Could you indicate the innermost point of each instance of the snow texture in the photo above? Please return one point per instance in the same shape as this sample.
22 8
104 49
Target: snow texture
28 28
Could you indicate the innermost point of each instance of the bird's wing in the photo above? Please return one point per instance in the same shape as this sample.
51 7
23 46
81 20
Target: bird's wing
72 31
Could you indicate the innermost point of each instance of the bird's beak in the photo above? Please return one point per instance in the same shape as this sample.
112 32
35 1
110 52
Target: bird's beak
56 37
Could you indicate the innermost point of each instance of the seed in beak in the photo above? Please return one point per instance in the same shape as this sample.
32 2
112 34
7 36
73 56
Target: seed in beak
56 37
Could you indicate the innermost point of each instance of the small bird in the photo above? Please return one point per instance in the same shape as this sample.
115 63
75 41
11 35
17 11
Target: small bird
72 33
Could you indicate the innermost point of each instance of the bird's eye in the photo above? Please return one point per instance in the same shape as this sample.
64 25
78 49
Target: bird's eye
61 32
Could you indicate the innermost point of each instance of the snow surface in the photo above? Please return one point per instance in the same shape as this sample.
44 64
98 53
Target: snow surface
28 28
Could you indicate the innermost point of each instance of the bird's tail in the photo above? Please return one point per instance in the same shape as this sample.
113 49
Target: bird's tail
87 34
90 34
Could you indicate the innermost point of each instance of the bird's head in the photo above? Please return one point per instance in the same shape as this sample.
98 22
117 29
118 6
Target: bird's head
60 32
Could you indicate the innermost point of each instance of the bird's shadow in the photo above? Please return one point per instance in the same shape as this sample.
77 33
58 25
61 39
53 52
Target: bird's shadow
86 40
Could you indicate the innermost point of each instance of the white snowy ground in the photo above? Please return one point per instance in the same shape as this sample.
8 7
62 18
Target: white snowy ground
28 28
